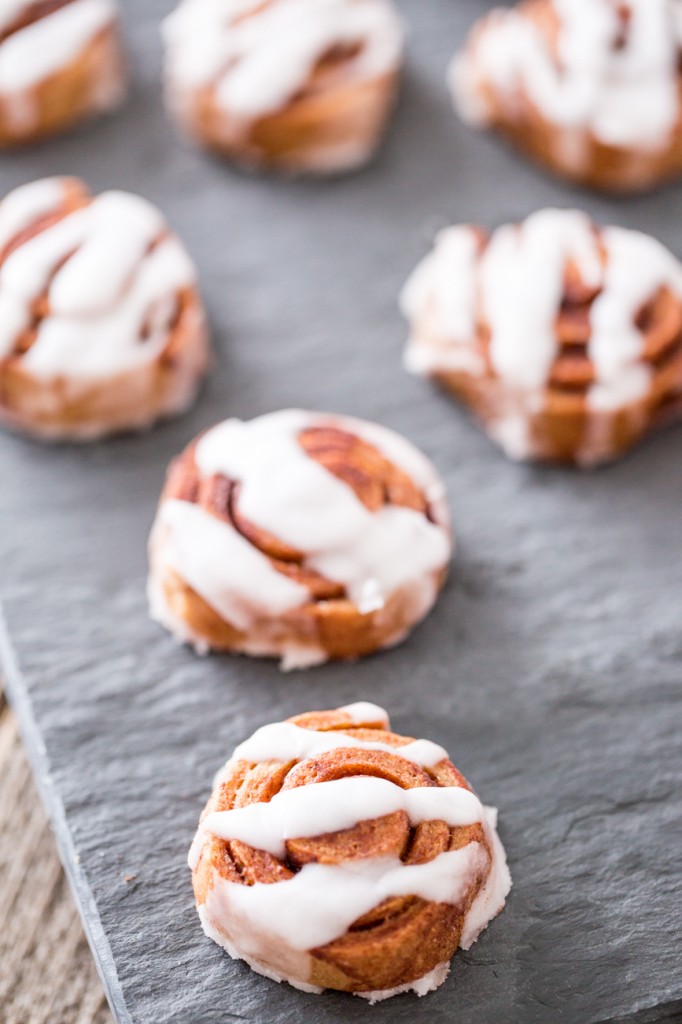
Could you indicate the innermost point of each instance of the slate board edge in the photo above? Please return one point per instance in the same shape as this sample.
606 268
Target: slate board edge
657 1013
40 767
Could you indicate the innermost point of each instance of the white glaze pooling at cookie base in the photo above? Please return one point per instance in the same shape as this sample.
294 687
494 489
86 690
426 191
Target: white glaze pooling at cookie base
258 59
420 986
273 927
285 492
516 285
49 44
626 97
104 285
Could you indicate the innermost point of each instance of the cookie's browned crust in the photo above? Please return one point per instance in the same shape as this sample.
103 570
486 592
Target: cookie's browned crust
90 84
575 153
65 408
405 937
562 427
297 138
331 126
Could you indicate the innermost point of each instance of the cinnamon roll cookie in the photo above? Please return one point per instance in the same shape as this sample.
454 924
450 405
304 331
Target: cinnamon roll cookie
563 338
101 325
294 85
298 536
592 89
334 853
60 62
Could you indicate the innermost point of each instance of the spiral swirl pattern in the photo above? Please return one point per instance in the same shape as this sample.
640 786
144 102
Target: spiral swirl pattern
299 536
392 894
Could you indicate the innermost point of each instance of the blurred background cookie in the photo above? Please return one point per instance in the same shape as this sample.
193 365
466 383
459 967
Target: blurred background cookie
303 86
592 89
564 339
60 62
101 324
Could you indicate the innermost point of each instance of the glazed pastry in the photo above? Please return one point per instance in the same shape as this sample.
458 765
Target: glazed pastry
564 339
592 89
334 853
101 325
302 86
298 536
60 62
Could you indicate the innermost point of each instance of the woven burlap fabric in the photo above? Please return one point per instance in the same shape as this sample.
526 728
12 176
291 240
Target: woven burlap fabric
47 975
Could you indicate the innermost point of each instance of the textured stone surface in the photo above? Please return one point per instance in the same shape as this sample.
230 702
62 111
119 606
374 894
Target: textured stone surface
550 668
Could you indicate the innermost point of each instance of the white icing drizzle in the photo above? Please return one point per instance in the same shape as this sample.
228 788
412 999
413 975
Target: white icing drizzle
201 548
285 741
340 804
363 712
322 901
291 496
440 299
492 895
28 203
453 294
273 926
104 285
42 48
516 286
521 278
626 96
638 266
258 56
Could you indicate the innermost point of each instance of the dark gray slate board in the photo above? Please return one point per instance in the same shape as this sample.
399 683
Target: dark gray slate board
550 668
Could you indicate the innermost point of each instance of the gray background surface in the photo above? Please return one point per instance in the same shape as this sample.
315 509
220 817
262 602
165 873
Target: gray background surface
550 667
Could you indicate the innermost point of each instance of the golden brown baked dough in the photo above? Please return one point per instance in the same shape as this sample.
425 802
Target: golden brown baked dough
368 496
301 86
573 350
60 62
590 89
103 328
404 940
